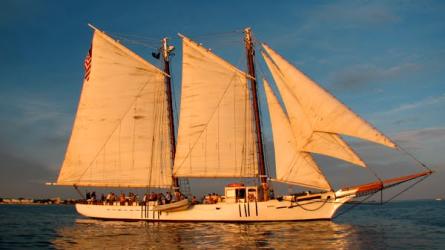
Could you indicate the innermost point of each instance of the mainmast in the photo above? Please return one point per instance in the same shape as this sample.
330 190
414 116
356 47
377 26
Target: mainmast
166 58
250 53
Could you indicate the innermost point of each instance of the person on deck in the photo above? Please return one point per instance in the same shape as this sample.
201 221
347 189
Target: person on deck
153 197
168 198
160 199
194 200
130 198
122 199
177 195
112 198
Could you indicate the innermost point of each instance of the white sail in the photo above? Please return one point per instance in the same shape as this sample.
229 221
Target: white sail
216 132
309 139
120 136
292 165
323 111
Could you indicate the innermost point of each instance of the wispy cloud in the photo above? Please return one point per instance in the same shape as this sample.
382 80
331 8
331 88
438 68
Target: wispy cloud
431 100
421 135
313 25
349 15
360 76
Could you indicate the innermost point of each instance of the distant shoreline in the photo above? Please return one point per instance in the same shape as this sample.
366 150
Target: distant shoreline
23 201
34 204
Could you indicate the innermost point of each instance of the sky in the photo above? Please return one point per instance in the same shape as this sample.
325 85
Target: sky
384 59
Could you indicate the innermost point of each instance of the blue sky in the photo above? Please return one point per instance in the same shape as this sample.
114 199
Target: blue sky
384 59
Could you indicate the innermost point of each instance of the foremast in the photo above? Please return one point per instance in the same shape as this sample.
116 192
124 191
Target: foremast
250 53
166 49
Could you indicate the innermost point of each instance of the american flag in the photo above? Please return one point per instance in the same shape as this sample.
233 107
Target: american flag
87 64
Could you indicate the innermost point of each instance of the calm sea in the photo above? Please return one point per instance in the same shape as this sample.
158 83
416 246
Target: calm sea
399 225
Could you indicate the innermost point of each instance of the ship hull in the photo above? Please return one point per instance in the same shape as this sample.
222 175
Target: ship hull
272 210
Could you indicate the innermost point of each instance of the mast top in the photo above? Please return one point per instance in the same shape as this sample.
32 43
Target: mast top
248 36
166 49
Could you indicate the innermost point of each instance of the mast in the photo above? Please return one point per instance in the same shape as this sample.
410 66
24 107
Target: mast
250 53
166 58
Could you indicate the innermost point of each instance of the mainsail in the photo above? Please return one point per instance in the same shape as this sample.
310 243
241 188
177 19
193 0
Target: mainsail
120 136
316 116
292 165
216 136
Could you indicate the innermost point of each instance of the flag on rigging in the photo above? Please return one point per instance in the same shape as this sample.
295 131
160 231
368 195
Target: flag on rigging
87 64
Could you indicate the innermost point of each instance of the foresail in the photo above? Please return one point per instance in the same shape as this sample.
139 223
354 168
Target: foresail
324 111
292 165
216 132
308 139
120 136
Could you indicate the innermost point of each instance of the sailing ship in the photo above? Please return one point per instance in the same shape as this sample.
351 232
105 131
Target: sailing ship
124 135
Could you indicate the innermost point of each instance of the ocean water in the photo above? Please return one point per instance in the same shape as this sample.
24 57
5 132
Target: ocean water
398 225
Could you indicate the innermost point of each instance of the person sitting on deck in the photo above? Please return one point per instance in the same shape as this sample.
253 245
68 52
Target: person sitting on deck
178 195
206 199
108 198
168 198
160 199
122 199
213 198
153 197
92 198
130 198
182 197
194 200
112 198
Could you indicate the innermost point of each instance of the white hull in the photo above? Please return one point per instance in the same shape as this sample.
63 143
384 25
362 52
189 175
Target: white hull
272 210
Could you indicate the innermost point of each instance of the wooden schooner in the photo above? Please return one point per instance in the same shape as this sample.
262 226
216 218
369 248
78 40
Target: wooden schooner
124 135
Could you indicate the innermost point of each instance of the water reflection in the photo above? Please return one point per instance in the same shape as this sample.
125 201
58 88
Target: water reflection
87 233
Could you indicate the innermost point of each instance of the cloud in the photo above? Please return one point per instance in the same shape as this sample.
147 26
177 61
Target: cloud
423 103
20 176
406 120
32 142
421 135
361 76
36 127
349 15
431 100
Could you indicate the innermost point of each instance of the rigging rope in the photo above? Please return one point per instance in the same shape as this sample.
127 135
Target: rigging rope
414 158
237 31
404 190
143 44
355 204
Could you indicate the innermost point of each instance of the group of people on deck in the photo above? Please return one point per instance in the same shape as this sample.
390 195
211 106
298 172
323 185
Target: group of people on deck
162 199
211 199
132 198
159 198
